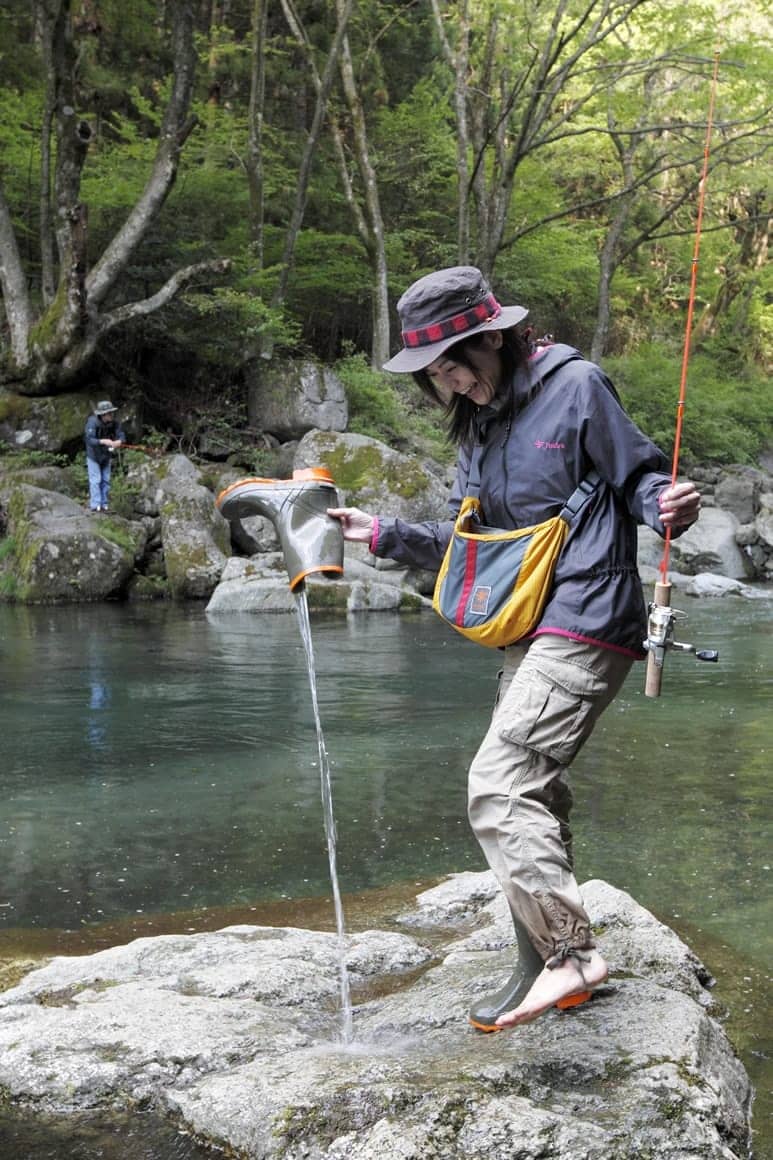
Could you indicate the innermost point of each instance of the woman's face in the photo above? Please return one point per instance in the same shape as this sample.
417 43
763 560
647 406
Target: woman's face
479 384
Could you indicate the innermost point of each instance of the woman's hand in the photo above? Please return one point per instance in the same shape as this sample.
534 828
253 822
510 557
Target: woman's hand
679 505
356 525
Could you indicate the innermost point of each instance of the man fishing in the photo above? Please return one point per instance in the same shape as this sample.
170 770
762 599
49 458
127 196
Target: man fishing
103 436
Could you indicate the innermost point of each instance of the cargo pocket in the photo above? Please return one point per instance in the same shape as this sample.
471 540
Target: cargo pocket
551 714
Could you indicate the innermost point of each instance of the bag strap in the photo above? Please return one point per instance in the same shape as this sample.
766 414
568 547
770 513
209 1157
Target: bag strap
580 496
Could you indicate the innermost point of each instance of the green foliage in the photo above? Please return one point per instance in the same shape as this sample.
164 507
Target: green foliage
230 323
390 408
406 87
728 413
20 458
554 273
122 500
374 405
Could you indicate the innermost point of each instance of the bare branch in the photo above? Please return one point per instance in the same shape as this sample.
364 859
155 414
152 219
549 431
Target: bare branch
163 295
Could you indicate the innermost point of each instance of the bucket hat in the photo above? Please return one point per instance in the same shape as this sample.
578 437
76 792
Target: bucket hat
105 407
444 307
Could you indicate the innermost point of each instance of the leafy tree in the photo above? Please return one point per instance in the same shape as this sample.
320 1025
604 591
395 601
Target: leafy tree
53 336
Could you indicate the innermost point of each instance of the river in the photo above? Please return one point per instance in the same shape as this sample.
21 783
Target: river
160 773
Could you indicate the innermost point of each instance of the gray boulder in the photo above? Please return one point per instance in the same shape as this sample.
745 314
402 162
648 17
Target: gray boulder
57 552
290 398
738 490
708 546
370 475
260 584
196 538
764 520
238 1035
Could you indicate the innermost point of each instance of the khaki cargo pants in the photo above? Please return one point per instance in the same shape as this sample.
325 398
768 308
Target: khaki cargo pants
552 691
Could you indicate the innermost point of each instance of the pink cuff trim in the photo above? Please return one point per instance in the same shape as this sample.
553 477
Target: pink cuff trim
374 538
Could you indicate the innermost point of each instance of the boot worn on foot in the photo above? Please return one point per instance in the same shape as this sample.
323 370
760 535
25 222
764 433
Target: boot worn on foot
569 978
484 1014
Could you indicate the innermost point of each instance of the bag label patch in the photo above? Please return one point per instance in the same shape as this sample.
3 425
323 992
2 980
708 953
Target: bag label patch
479 600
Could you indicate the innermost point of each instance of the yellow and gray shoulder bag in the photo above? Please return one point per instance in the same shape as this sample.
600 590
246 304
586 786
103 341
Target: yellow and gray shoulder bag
493 584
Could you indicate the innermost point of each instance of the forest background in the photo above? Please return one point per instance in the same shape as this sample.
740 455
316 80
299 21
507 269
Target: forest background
188 189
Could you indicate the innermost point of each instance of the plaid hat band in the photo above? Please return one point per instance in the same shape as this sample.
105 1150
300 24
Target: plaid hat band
444 308
485 311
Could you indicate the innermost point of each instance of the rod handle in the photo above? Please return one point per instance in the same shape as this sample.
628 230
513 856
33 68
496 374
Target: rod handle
654 675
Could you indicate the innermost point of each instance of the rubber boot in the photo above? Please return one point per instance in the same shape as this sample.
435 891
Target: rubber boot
311 540
484 1013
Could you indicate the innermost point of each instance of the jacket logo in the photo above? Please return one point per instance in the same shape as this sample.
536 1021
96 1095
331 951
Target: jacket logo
544 445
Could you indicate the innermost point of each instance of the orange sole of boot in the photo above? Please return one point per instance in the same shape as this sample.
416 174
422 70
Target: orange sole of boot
564 1004
570 1001
484 1026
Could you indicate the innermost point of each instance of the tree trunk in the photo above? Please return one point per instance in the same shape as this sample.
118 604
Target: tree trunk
255 114
47 271
343 12
369 224
459 64
375 222
16 299
609 256
752 231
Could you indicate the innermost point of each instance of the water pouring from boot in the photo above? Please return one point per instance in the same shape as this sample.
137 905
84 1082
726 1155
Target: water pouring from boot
312 543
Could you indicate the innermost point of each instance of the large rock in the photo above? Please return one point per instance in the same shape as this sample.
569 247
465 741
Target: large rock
196 538
290 398
764 520
370 475
708 546
43 424
52 422
738 490
238 1034
260 584
56 552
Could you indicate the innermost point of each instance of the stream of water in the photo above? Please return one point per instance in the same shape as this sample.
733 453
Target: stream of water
160 774
328 812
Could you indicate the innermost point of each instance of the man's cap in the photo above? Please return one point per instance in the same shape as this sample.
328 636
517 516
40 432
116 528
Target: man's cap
104 408
444 307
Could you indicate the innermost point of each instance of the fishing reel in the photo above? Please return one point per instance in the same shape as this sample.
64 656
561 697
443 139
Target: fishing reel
660 638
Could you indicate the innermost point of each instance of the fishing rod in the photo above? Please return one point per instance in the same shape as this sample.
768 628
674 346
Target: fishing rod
661 616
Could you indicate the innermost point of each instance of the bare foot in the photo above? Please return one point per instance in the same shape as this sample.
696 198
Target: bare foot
573 979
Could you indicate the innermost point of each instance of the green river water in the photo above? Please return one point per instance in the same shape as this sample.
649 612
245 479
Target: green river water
160 773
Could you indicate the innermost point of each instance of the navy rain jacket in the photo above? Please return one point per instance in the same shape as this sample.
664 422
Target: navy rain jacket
96 430
567 419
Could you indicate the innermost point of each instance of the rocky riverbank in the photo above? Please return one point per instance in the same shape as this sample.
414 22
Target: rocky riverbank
164 537
236 1034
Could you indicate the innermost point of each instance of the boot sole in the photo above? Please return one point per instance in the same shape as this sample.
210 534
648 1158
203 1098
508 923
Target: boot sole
564 1004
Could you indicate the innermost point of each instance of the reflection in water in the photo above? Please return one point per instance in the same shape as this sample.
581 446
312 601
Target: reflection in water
99 692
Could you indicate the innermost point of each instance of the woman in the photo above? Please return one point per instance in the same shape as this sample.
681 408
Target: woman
538 419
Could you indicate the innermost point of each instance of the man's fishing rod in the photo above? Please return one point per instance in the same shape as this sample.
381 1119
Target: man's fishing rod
661 616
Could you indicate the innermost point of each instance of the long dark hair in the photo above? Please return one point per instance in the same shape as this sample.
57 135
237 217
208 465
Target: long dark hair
460 411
